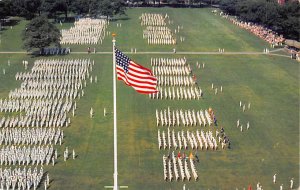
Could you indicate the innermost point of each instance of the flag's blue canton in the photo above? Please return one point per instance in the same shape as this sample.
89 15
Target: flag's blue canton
122 60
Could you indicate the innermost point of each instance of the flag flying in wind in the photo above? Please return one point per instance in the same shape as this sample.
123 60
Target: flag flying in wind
135 75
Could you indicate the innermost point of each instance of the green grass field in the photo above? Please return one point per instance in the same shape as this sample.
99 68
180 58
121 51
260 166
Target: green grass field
270 83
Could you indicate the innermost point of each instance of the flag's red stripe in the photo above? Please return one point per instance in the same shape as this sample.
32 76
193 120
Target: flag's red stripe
143 86
136 86
121 76
139 77
147 91
142 76
139 71
139 84
140 66
124 79
141 80
134 83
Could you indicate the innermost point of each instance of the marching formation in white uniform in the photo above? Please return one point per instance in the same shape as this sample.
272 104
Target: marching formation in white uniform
177 168
177 117
174 79
13 155
182 139
19 178
168 61
30 136
178 92
159 35
153 19
42 92
171 70
47 94
156 31
85 31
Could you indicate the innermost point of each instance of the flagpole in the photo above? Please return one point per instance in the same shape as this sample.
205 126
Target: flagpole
115 117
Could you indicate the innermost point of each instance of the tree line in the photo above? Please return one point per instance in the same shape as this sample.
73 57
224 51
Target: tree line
53 8
283 19
40 32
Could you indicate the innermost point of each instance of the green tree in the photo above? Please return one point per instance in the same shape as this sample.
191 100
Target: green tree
283 19
5 8
288 21
107 8
40 33
26 8
172 1
229 6
270 13
250 10
52 7
62 6
95 7
48 8
80 6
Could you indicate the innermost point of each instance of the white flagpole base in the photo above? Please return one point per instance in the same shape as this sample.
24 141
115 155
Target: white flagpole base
111 187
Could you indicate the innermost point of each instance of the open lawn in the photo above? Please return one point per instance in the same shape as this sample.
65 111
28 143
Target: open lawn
203 31
270 83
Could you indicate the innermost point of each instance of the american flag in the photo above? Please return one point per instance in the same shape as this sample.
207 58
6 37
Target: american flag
135 75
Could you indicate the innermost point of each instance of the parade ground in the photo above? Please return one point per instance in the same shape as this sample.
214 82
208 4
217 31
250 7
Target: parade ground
267 81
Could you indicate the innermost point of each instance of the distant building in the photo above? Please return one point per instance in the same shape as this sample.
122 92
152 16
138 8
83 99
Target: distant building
281 2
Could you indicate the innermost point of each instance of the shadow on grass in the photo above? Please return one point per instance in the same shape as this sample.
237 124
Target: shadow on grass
120 19
43 180
8 23
63 20
72 19
175 5
36 53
